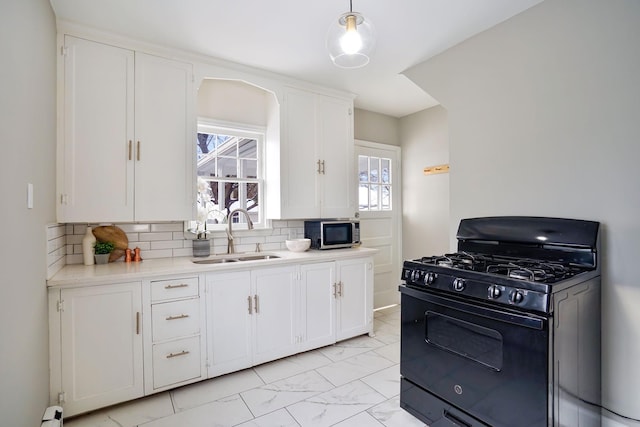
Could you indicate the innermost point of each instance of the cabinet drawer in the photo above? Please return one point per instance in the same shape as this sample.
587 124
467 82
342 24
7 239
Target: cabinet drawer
176 361
163 290
175 319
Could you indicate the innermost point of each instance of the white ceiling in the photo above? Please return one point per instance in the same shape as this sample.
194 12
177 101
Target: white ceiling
288 37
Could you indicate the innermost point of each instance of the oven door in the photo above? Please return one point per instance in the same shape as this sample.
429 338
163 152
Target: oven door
491 364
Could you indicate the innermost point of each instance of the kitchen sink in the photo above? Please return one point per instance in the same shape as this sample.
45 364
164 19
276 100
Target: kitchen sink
239 258
257 257
214 260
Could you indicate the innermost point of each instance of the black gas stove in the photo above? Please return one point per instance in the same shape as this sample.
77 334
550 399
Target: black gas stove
506 330
510 266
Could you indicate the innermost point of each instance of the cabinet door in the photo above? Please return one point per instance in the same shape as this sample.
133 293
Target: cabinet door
95 176
164 143
101 346
275 313
229 317
318 302
299 156
355 299
338 179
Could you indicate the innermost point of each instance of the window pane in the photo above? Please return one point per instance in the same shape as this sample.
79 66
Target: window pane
386 171
227 167
386 197
363 197
375 167
363 169
248 168
248 148
373 197
229 148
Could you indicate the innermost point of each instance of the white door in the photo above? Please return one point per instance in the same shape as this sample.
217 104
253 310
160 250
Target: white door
318 305
229 318
380 217
355 305
101 341
164 136
95 177
275 313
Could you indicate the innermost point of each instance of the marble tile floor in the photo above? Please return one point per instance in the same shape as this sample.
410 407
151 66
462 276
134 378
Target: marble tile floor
354 383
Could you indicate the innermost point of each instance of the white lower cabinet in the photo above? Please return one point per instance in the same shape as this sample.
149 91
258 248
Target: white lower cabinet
175 351
250 317
274 312
318 305
264 314
116 342
354 298
229 321
96 346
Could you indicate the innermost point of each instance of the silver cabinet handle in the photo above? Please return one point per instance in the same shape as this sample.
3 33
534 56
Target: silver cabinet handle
256 303
182 353
137 323
130 149
322 167
180 316
138 151
249 304
181 285
318 170
340 288
335 290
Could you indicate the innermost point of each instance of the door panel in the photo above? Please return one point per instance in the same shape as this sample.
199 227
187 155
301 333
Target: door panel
101 346
275 313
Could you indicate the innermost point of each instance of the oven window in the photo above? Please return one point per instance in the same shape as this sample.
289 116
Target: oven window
480 344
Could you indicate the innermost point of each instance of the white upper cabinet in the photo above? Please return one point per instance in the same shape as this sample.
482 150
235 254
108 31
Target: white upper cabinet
125 145
316 157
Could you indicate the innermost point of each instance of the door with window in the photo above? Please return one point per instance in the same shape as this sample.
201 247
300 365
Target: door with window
379 204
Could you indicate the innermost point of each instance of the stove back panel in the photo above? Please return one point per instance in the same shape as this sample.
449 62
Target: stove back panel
555 239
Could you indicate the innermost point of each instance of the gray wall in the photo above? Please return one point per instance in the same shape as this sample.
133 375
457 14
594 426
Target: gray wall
27 135
376 127
543 120
425 199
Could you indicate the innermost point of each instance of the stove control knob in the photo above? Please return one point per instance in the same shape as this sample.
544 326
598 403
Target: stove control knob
458 285
429 278
516 296
494 292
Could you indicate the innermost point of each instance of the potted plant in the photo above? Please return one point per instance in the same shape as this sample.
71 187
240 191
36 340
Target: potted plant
102 251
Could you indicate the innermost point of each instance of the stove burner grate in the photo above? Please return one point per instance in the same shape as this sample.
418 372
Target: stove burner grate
519 269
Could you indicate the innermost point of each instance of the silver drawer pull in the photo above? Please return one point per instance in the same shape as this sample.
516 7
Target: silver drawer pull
182 353
179 316
181 285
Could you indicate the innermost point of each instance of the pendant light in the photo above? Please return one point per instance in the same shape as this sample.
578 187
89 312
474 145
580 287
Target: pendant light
351 40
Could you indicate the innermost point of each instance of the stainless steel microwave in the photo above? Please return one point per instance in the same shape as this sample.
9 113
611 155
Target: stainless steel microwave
332 234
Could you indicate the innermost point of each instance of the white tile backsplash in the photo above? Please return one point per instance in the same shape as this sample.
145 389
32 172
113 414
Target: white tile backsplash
164 240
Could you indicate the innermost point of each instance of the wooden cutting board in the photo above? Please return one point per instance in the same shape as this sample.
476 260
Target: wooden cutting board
115 235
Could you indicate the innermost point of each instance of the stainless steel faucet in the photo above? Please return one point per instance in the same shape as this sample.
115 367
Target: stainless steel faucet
230 248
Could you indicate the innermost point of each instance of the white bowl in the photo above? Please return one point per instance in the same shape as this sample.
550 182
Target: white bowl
298 245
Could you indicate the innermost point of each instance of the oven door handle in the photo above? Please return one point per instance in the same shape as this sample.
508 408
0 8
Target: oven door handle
454 420
527 320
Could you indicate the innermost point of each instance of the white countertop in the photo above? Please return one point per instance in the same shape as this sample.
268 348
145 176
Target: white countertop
119 271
